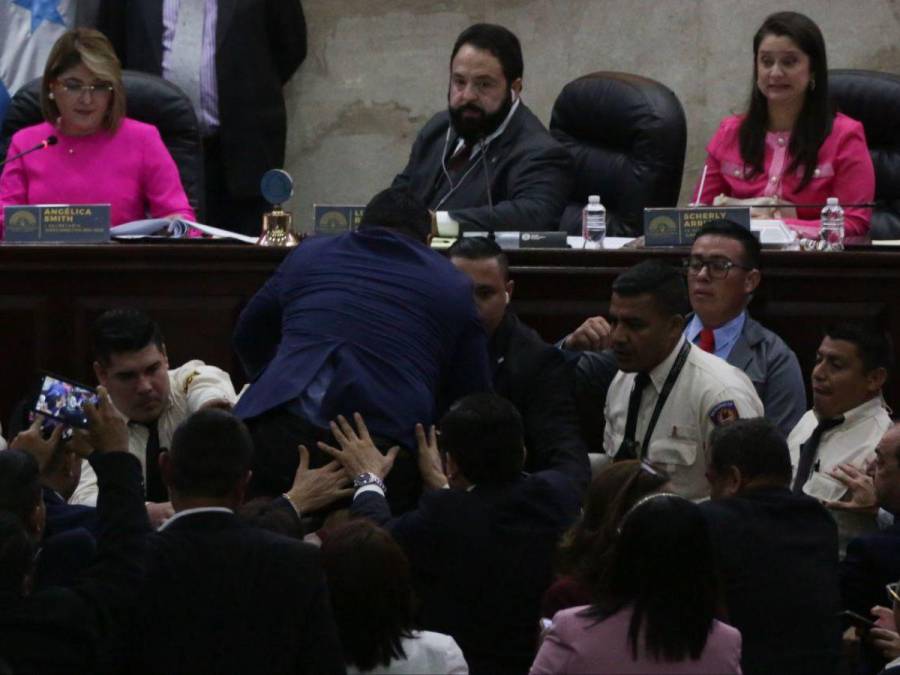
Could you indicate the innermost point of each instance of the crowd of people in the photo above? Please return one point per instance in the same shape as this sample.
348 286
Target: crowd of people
414 481
401 417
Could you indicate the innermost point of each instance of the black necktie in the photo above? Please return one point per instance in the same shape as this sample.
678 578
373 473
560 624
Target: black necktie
808 451
459 159
628 449
156 490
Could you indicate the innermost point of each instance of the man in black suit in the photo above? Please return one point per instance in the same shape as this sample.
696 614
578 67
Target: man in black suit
777 553
482 550
64 629
527 371
257 47
487 162
873 560
221 596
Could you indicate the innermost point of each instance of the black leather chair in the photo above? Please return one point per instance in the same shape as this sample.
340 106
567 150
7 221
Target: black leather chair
150 99
627 135
873 98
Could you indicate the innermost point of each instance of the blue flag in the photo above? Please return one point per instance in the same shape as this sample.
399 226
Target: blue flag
28 29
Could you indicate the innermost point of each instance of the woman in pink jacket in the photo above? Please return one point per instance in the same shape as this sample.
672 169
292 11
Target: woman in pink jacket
101 156
790 148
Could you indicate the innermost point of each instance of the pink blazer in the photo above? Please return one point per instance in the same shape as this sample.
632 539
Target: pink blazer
844 171
130 169
577 644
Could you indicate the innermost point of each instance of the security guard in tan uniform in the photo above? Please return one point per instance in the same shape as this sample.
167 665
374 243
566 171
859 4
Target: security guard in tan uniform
668 395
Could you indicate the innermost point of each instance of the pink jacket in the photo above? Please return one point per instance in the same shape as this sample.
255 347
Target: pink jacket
130 169
844 171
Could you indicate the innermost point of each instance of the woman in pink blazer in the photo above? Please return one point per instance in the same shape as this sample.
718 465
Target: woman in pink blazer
790 148
655 607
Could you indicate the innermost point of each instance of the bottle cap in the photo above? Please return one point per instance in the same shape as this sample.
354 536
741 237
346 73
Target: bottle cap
832 201
594 199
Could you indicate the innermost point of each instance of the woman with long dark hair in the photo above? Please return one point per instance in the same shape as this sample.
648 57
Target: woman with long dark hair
654 609
790 148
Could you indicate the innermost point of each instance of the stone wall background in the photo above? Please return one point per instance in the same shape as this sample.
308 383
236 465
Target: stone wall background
377 70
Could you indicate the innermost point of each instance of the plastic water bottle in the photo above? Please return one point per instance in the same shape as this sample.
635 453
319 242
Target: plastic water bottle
832 233
593 223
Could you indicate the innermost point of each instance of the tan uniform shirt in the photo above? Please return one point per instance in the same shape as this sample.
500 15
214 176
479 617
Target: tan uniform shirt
190 387
708 391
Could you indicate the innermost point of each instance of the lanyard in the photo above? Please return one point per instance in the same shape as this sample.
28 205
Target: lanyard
668 385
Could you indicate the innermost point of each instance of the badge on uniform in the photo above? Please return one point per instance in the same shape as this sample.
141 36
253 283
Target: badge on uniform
723 413
187 382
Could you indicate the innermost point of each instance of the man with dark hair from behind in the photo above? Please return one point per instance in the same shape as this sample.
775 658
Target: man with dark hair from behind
526 370
482 550
66 629
486 124
131 361
371 321
668 395
848 418
777 554
221 596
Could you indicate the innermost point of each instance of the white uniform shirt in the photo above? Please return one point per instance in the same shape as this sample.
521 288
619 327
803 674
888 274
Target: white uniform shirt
190 387
852 442
707 392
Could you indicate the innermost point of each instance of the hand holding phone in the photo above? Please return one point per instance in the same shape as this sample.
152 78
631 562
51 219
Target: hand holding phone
63 400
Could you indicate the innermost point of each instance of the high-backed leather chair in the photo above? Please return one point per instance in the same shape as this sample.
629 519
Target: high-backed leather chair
150 99
627 134
873 98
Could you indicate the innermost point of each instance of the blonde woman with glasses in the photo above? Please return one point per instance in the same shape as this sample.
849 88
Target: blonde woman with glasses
99 156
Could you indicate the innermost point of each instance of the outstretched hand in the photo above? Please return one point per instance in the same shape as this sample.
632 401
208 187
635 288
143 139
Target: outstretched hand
430 465
33 442
861 489
314 489
106 427
358 453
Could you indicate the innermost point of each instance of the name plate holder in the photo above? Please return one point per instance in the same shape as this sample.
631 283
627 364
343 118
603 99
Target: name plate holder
56 224
336 218
679 226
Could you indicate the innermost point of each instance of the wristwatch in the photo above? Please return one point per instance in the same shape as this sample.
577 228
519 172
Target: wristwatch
364 479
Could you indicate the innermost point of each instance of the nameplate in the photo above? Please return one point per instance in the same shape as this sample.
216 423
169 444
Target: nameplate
56 224
679 226
336 218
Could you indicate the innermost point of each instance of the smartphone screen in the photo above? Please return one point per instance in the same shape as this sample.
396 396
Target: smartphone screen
64 400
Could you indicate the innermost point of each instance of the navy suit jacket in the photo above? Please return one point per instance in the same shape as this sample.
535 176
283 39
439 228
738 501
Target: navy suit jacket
390 324
62 516
778 555
482 559
872 561
224 597
530 176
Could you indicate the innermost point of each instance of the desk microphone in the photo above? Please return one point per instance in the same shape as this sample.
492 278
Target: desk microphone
487 181
50 140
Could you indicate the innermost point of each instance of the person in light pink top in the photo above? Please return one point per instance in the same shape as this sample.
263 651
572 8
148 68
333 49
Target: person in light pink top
655 605
790 148
101 156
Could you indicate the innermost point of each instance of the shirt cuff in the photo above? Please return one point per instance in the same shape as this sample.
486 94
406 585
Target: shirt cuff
445 225
293 505
368 488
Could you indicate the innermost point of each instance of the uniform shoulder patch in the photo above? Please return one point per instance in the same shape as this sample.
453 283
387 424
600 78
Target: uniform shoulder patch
723 413
187 382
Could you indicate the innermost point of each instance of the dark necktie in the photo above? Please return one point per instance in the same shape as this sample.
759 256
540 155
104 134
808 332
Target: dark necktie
459 159
628 449
808 451
156 490
707 340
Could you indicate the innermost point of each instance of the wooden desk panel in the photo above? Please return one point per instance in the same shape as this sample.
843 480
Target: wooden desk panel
49 295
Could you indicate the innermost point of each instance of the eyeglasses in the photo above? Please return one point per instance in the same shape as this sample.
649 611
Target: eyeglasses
76 89
717 268
894 591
